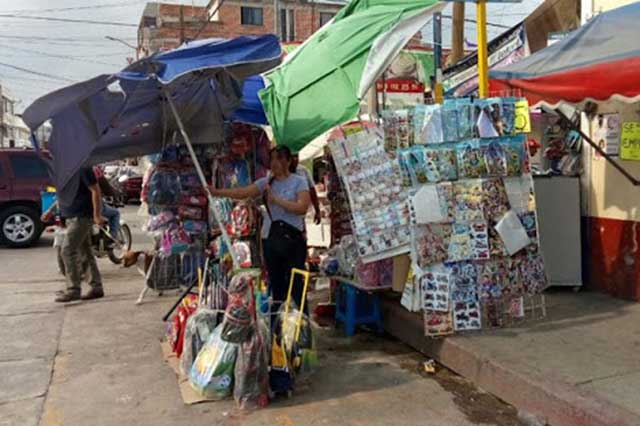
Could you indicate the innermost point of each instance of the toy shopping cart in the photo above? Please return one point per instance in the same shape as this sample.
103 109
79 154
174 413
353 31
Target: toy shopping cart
286 354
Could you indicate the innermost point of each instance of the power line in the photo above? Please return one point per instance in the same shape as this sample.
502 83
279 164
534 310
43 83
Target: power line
207 16
77 21
66 39
489 24
41 74
52 55
68 9
37 80
28 85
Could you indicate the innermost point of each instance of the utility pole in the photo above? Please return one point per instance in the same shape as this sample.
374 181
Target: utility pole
437 57
457 33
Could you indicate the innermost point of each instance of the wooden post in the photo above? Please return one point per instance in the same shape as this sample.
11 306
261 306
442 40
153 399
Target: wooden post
182 39
457 33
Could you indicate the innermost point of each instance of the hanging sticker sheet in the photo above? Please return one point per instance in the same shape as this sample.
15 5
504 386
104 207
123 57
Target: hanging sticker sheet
495 199
431 243
398 129
427 121
473 225
515 307
464 278
437 323
469 241
491 279
468 200
532 274
379 203
467 316
435 291
432 204
493 313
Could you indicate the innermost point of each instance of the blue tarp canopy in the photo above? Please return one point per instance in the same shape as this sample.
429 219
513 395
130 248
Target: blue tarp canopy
126 114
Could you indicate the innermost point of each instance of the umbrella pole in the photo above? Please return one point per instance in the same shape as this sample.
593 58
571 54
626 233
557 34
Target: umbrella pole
203 181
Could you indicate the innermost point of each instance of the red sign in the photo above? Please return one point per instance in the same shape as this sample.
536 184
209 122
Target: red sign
396 85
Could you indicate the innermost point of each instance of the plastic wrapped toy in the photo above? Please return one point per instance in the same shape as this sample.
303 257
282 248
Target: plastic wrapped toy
193 213
199 327
160 221
213 370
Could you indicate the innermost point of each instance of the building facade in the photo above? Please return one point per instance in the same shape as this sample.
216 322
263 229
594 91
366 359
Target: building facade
611 210
13 132
165 26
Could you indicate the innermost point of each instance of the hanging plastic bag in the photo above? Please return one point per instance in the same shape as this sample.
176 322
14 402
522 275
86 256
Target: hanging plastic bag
164 188
512 233
190 212
199 327
176 338
251 388
160 221
174 241
300 349
242 220
237 322
212 372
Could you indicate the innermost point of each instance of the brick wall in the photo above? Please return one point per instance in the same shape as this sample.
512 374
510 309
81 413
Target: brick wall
169 29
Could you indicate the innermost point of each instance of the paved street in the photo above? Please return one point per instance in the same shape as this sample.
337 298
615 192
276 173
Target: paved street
99 363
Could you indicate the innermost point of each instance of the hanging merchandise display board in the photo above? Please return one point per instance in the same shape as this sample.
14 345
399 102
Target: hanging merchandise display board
373 182
474 241
605 129
630 141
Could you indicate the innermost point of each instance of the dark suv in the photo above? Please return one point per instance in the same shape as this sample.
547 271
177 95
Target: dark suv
23 176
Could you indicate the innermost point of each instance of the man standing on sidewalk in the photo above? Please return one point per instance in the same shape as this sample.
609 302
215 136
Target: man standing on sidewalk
80 212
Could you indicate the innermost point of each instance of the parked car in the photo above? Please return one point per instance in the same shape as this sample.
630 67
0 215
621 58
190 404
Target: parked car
23 176
132 188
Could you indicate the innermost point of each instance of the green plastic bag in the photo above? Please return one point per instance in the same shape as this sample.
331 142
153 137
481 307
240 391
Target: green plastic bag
213 370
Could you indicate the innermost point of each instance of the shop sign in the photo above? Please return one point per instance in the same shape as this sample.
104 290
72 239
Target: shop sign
397 85
461 79
630 141
605 131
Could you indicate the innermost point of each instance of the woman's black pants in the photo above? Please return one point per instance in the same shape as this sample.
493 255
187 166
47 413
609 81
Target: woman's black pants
280 255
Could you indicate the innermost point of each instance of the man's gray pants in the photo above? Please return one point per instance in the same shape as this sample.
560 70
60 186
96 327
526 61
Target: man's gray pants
76 248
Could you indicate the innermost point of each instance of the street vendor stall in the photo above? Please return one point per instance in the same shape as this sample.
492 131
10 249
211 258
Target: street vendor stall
447 184
595 69
193 109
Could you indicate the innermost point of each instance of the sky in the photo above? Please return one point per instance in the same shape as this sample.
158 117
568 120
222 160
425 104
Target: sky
52 54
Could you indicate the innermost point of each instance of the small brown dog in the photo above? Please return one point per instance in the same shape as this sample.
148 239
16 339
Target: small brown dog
132 258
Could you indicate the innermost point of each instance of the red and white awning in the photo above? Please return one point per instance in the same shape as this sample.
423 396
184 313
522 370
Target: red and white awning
597 62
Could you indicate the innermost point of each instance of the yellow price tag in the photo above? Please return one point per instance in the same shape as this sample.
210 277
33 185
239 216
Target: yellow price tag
630 141
522 118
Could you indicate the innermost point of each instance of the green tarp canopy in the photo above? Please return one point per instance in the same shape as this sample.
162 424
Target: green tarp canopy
321 83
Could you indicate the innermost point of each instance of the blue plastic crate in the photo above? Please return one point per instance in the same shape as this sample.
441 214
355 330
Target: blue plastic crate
47 199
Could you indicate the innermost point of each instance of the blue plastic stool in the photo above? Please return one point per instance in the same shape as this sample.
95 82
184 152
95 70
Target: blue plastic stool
356 307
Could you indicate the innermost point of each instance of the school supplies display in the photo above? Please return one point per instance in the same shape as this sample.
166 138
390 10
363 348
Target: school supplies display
373 182
473 226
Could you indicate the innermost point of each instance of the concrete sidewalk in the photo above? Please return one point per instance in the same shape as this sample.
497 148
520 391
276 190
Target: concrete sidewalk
99 363
579 366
